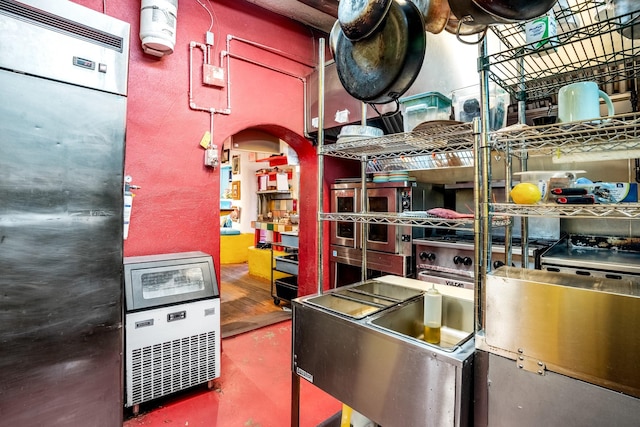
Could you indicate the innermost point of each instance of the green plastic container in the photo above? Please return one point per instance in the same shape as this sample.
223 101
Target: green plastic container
424 107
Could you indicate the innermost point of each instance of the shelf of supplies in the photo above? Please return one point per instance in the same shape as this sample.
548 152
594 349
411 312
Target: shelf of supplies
594 50
615 136
613 211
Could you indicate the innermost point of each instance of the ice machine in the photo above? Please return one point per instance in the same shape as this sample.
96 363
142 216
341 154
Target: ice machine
172 324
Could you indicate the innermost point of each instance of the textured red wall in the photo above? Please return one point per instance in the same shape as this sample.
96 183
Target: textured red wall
177 207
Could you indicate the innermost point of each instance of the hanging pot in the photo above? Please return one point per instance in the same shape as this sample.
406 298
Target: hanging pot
333 38
515 10
628 21
360 18
454 26
470 14
380 68
435 14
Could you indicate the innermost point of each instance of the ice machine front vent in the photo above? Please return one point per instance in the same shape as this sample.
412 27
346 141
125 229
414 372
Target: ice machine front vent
56 23
164 368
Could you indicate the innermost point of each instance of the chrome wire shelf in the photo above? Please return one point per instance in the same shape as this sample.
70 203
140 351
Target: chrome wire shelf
407 219
443 137
613 211
441 145
613 137
593 48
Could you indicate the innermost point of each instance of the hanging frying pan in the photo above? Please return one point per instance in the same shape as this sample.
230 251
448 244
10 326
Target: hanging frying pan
360 18
435 14
469 13
515 10
380 68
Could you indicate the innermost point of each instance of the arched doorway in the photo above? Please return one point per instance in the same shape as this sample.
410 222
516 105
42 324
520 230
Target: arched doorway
247 298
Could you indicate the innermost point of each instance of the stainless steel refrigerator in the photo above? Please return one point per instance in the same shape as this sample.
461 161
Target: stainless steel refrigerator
63 80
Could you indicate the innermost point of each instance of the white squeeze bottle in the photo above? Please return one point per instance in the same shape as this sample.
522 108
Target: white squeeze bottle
432 315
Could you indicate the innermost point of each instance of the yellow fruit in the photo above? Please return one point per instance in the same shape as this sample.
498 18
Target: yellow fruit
526 193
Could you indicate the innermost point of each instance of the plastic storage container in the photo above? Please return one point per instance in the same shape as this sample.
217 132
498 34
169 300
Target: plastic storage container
287 288
424 107
287 264
466 105
289 239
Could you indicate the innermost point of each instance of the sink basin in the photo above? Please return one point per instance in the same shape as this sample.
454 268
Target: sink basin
407 321
363 299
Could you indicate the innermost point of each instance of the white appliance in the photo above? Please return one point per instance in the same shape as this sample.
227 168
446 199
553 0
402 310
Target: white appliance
172 325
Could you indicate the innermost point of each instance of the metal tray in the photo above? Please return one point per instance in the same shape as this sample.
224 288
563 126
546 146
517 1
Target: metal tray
363 299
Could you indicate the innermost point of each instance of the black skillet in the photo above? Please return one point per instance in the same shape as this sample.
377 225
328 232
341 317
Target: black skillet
360 18
381 67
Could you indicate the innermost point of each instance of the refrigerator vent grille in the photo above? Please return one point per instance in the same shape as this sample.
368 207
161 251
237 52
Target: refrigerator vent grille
171 366
56 23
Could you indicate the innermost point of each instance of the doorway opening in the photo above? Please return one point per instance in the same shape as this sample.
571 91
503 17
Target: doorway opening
259 184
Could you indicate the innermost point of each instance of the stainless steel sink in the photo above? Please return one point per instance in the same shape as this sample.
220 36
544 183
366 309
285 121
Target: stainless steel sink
363 299
362 344
407 321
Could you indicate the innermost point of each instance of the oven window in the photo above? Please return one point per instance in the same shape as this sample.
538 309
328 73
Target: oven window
378 232
345 204
346 230
179 281
378 204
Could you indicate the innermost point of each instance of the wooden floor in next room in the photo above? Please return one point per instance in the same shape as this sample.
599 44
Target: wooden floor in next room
246 301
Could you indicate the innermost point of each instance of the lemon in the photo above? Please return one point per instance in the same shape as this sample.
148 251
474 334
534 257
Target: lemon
526 193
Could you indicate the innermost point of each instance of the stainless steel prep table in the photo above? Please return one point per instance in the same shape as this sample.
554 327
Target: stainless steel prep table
371 362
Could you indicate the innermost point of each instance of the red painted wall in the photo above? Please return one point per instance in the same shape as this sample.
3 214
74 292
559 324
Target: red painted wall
177 207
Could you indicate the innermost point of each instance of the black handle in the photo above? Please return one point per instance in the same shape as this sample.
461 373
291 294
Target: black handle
576 200
569 191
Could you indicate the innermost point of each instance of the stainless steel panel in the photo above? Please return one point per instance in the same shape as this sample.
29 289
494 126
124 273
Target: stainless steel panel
582 327
61 175
42 38
519 398
400 265
455 68
386 378
363 299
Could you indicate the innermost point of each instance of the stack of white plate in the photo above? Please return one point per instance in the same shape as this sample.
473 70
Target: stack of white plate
354 132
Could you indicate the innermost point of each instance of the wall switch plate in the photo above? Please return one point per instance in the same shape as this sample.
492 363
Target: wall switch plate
212 75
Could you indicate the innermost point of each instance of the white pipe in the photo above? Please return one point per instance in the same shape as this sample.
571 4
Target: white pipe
277 52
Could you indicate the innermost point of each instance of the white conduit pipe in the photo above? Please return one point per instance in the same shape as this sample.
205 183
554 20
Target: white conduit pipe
259 64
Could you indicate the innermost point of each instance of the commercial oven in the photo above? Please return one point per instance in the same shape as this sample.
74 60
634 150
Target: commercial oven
389 247
389 197
172 324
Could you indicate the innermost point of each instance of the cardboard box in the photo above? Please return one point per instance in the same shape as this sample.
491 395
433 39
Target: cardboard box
542 32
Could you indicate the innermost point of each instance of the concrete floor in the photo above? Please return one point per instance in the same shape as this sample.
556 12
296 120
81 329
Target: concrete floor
254 389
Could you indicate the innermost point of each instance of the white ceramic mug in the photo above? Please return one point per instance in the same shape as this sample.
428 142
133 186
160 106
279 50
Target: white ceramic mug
581 101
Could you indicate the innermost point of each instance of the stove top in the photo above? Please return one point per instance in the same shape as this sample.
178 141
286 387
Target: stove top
598 253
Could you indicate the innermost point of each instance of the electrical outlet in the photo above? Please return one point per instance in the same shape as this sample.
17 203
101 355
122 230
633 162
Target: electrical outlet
212 75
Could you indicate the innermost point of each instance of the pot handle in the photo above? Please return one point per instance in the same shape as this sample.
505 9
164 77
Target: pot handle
468 18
